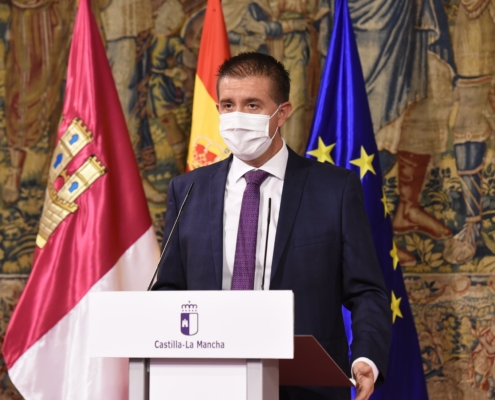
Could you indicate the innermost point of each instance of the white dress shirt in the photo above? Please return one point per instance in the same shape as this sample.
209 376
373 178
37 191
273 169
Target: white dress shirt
234 191
270 188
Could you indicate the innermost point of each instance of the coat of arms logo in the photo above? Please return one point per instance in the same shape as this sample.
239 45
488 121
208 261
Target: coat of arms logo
189 319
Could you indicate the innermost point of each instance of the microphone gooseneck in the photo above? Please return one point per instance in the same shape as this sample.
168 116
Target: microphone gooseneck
170 235
266 243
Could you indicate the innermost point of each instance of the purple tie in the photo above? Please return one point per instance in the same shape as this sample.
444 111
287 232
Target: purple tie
245 251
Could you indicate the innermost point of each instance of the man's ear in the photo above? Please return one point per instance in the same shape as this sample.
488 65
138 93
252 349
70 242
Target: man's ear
218 108
283 113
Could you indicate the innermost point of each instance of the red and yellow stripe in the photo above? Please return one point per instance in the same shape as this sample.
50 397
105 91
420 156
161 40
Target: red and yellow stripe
206 146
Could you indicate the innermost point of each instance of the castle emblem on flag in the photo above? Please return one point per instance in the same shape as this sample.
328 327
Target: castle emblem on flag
60 201
189 319
206 152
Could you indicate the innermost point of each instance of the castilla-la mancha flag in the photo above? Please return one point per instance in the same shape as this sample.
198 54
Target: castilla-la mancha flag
206 146
95 235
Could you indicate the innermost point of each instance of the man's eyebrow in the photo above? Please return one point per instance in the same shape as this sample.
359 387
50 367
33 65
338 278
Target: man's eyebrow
253 100
248 100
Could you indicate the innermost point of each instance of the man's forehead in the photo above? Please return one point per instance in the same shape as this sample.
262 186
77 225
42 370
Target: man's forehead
229 81
251 86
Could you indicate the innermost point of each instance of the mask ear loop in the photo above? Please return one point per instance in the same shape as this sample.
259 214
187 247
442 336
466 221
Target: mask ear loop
276 111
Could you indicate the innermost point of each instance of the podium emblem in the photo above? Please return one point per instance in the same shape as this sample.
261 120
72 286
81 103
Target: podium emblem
189 319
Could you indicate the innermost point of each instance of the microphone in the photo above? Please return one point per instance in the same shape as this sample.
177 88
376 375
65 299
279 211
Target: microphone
170 235
266 242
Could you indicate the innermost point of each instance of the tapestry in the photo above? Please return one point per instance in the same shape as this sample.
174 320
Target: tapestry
429 67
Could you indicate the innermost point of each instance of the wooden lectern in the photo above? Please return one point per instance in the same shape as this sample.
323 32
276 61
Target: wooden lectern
218 345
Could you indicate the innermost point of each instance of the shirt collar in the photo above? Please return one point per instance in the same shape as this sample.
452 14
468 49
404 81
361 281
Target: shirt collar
275 166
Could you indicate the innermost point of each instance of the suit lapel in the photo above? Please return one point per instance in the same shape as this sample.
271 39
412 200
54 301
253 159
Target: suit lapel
216 198
291 197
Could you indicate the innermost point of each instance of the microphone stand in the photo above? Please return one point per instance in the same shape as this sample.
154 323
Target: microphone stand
266 243
170 235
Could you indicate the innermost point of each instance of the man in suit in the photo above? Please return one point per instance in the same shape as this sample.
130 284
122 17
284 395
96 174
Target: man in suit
319 241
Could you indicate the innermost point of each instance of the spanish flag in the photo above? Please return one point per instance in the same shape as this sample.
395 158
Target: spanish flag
206 146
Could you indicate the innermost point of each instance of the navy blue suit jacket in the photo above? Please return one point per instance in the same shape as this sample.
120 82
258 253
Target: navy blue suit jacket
323 252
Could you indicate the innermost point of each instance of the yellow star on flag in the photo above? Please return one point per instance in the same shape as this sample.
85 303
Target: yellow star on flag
364 163
385 205
394 255
322 153
394 306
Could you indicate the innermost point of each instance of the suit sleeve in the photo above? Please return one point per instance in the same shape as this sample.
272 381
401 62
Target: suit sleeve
171 274
364 292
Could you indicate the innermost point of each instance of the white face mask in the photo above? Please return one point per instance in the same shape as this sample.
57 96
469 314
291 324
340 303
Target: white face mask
246 135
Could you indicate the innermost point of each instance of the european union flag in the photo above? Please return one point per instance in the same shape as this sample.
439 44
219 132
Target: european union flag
342 134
